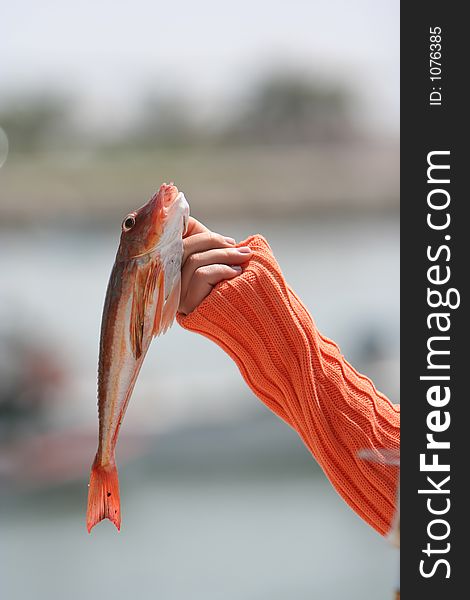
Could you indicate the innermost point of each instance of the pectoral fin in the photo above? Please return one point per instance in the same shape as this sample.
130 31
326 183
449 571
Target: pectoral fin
160 301
171 307
145 283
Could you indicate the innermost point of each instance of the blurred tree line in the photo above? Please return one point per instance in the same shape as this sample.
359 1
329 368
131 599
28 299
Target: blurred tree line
286 109
33 123
281 109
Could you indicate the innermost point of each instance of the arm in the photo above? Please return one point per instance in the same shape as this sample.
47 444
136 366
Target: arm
302 376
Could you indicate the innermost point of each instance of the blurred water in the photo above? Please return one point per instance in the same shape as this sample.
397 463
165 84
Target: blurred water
275 530
233 540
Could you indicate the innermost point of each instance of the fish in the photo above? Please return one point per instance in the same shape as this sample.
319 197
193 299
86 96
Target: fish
141 302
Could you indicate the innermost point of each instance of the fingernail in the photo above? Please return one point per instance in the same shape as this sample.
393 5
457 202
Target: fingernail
229 240
244 250
238 269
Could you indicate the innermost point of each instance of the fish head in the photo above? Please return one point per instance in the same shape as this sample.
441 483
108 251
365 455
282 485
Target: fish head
159 222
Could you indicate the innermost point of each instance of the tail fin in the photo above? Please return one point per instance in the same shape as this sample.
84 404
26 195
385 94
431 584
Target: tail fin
103 495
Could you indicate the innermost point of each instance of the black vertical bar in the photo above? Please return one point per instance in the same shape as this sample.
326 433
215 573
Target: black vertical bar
426 127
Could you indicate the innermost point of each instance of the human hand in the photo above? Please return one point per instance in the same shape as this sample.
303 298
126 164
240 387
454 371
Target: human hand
208 258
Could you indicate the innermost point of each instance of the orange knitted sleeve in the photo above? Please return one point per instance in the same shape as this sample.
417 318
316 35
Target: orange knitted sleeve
303 377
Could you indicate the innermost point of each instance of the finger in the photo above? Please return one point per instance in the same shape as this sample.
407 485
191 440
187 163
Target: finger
224 256
194 227
202 282
201 242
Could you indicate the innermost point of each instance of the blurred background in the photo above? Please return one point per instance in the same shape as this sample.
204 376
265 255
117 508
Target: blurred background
277 119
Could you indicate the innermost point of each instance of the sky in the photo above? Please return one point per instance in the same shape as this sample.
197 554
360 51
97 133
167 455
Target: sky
110 54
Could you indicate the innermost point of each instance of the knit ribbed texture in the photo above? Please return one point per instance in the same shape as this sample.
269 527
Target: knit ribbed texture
303 377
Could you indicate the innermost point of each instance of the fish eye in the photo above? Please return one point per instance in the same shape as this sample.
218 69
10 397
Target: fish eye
128 223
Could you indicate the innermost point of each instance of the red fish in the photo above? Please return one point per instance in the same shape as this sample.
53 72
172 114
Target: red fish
141 302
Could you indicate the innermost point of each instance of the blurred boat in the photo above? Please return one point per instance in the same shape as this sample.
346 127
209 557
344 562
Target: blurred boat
40 460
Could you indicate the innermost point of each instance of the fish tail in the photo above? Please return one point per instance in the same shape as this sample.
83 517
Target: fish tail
103 495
